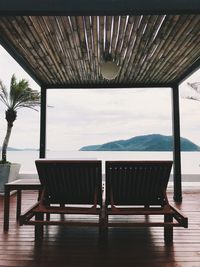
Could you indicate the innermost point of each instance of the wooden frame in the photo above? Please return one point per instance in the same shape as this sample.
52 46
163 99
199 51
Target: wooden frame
95 7
18 185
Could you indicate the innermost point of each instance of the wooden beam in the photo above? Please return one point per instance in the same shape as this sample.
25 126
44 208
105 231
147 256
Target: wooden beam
109 86
195 67
20 60
43 106
176 144
96 7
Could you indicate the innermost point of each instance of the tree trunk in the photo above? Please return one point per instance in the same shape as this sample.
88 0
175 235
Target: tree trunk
5 142
11 116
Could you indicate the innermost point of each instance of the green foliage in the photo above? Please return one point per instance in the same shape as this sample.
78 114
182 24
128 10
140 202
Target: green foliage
19 96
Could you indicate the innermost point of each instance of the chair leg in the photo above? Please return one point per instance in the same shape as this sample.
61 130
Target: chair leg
103 228
62 216
168 230
39 227
48 216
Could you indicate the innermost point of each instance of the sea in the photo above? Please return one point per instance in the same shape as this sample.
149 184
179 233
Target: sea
190 161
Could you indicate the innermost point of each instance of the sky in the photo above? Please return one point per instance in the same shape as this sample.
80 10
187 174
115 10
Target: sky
80 117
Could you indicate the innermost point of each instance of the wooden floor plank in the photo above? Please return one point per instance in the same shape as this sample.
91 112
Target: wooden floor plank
81 246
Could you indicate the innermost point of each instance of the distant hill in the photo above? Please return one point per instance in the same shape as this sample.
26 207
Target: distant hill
151 142
21 149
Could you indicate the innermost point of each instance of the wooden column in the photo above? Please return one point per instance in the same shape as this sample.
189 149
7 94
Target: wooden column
176 144
43 122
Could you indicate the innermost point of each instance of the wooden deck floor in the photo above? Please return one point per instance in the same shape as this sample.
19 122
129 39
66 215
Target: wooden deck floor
80 246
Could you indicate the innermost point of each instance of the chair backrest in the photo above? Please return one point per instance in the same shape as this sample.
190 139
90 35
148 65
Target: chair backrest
71 181
137 182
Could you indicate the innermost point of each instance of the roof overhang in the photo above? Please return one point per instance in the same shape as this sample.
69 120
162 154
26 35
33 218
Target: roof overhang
61 43
98 7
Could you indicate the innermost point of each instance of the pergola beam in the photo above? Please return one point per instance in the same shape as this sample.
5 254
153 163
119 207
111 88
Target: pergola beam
43 111
19 59
195 67
110 86
176 144
98 7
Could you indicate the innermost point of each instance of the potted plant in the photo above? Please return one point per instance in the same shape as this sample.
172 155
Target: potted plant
19 96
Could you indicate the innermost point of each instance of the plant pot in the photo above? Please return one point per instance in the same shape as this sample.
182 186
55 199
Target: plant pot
8 173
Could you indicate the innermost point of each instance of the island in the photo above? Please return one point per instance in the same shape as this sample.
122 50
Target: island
21 149
151 142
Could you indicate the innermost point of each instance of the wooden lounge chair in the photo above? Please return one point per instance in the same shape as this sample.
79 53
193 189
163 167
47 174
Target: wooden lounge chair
68 187
139 188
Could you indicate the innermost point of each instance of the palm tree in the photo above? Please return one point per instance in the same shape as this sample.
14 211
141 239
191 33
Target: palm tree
19 96
194 91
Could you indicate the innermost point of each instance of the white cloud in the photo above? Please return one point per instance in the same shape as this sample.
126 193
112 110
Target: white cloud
93 117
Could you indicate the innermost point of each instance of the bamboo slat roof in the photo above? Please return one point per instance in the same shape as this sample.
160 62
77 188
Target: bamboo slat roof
67 51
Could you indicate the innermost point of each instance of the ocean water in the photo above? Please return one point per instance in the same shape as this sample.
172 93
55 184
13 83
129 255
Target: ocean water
190 161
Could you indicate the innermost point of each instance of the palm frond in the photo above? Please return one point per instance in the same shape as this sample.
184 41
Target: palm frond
20 95
195 86
4 94
192 98
194 93
28 98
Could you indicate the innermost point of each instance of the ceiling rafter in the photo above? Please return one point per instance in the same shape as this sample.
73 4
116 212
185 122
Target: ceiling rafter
68 50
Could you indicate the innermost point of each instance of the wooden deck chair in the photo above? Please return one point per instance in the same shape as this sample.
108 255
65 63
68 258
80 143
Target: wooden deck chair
139 188
69 187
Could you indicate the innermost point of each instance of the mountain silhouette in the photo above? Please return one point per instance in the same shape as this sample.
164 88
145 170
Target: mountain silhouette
151 142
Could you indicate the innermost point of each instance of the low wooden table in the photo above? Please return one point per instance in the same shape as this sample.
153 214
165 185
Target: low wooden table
18 185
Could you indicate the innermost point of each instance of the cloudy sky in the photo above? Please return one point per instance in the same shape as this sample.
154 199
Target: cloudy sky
85 117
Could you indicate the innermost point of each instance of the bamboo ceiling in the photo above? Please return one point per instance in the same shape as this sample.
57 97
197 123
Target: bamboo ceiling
68 50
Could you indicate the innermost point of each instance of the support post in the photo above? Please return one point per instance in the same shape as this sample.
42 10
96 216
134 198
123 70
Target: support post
176 144
43 122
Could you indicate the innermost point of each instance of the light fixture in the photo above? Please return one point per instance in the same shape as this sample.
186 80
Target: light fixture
109 68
